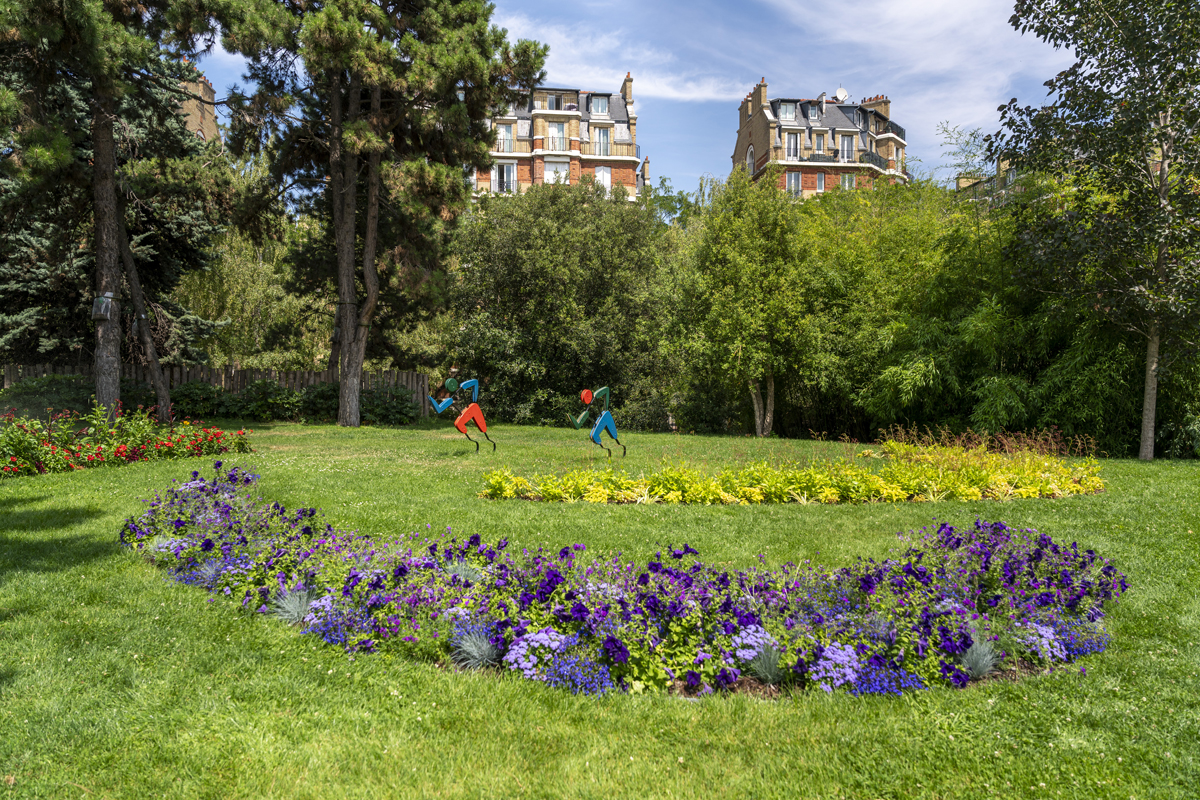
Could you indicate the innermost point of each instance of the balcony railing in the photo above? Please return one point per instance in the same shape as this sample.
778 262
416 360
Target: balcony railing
556 144
829 158
874 159
896 129
513 145
614 149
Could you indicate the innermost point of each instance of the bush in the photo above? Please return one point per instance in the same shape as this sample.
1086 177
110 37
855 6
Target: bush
32 397
906 473
264 401
69 442
388 406
672 624
319 402
197 400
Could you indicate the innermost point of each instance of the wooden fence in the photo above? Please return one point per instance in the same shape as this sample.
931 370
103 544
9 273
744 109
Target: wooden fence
234 380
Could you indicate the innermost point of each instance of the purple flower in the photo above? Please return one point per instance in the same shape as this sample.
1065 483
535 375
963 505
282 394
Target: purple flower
615 650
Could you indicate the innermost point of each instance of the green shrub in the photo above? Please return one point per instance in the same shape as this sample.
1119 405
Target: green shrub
264 401
196 400
388 406
905 473
319 402
32 397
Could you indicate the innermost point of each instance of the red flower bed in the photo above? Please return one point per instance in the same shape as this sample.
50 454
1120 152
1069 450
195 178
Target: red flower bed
70 442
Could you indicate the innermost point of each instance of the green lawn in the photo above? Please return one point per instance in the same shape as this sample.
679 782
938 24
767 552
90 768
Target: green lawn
115 682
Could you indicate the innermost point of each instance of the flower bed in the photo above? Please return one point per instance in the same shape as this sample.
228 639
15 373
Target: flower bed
70 442
951 606
906 473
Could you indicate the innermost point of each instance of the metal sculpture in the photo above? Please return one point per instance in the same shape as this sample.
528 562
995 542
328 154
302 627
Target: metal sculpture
472 413
604 422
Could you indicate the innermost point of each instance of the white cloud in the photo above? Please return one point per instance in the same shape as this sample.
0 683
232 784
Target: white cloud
937 59
579 56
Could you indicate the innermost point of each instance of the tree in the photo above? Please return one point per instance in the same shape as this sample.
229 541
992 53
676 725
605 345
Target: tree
1124 127
392 100
555 291
70 72
751 311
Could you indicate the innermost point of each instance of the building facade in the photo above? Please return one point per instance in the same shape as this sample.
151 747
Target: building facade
563 135
201 117
821 144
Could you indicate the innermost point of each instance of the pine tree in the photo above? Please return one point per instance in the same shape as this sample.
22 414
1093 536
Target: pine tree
386 117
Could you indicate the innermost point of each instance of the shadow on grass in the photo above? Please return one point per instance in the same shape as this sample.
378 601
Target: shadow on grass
24 544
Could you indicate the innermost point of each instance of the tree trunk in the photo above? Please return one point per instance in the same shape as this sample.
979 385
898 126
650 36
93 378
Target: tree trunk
769 414
108 268
756 399
143 325
358 347
1150 395
344 185
764 413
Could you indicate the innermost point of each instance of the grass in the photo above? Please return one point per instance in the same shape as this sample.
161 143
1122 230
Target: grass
117 683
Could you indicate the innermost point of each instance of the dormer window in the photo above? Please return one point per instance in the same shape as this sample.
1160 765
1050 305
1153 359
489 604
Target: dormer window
787 111
599 105
813 113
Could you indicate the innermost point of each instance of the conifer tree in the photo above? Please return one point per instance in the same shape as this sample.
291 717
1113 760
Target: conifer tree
384 108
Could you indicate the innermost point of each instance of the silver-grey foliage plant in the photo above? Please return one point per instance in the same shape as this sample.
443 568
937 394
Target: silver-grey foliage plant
980 659
292 606
474 651
765 666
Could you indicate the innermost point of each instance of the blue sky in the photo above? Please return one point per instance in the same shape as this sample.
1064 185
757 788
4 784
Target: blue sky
692 62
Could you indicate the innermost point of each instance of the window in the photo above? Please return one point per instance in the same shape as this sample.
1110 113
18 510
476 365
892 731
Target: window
504 138
599 105
787 110
847 148
819 146
604 177
554 102
750 159
820 181
847 180
601 146
793 184
793 147
557 139
812 111
558 172
504 178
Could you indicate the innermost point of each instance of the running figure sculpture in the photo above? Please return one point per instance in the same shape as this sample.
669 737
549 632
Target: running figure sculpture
473 412
604 423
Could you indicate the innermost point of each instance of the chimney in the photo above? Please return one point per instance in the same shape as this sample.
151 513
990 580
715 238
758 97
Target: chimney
881 104
760 95
821 100
646 171
627 89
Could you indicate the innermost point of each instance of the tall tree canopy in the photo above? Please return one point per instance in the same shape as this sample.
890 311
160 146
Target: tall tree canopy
1123 127
91 89
386 100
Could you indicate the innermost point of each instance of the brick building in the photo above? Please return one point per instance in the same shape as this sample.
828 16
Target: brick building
561 135
821 144
201 117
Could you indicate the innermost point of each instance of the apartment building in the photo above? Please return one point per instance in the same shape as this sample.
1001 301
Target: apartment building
563 135
822 143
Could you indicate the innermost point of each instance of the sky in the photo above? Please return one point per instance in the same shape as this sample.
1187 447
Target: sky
692 62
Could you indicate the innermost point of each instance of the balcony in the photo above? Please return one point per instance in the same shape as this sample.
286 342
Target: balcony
614 149
513 146
827 158
557 145
874 159
896 129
